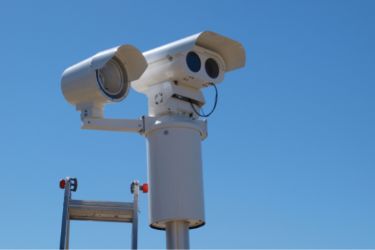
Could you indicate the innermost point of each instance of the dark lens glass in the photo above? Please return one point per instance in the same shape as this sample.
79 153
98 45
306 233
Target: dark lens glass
112 79
193 61
212 68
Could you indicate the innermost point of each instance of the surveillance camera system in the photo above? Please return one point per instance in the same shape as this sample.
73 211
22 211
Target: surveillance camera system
102 78
173 81
177 71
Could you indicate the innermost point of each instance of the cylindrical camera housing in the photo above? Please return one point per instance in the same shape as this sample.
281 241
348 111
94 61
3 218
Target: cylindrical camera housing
175 175
102 78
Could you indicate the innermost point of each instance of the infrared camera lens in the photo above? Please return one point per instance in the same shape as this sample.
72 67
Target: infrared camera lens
112 79
193 61
212 68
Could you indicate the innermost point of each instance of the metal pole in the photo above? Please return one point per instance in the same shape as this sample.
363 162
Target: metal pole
177 235
64 238
135 216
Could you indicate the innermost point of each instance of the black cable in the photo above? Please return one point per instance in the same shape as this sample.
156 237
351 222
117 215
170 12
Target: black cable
214 107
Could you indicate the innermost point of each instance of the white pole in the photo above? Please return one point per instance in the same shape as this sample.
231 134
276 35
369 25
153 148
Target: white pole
177 235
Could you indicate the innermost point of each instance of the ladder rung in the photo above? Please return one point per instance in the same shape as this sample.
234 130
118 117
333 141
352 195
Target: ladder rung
101 211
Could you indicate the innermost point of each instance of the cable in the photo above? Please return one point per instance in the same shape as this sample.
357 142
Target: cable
214 107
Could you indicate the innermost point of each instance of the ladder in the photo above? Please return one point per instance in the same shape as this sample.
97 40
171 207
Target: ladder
98 210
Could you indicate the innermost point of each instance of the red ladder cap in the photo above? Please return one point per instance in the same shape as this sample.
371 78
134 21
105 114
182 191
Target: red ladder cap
144 188
62 184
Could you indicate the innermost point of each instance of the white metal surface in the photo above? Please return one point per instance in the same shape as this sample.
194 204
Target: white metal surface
167 63
80 85
126 125
175 175
232 51
174 68
146 124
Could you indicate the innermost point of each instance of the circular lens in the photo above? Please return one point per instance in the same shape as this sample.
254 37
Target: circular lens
193 61
212 68
112 79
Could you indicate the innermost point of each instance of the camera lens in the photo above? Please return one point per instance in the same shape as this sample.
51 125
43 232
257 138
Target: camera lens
112 79
212 68
193 61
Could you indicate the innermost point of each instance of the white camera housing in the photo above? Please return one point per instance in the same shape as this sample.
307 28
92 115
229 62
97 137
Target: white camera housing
102 78
173 80
177 71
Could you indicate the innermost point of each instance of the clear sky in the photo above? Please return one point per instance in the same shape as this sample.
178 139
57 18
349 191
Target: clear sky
290 157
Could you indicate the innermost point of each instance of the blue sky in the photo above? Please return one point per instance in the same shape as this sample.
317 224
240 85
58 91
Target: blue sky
290 157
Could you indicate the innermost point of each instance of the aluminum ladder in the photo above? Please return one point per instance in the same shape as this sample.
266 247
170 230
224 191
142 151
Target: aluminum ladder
98 210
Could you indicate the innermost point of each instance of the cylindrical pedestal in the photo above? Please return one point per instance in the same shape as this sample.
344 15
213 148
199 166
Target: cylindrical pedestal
177 235
175 175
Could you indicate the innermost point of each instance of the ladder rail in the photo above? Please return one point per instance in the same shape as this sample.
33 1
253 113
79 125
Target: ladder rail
134 243
65 224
